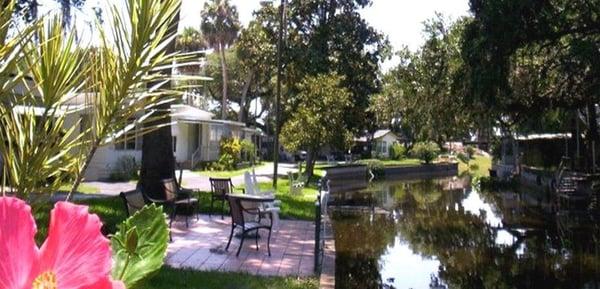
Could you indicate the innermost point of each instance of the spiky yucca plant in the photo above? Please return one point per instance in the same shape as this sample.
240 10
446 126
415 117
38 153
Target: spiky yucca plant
108 85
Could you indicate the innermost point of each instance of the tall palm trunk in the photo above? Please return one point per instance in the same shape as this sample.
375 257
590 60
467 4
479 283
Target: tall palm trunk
158 161
224 72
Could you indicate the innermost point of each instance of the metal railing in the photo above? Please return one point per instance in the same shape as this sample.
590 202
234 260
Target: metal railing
320 211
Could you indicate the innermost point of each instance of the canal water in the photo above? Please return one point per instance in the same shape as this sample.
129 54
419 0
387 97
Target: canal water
446 233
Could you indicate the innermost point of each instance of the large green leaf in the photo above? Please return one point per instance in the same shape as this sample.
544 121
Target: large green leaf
140 245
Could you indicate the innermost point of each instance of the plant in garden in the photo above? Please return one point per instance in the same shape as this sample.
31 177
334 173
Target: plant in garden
426 151
470 151
126 168
39 153
397 151
75 253
248 151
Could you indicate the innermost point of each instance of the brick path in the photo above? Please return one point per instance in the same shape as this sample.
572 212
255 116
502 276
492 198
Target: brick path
202 247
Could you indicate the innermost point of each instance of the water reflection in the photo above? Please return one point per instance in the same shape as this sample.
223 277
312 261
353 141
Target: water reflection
443 234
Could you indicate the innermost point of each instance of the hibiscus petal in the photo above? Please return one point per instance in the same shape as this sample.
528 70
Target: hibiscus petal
76 251
106 283
18 252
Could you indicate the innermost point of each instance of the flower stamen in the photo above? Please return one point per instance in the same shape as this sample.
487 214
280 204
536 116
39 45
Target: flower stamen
46 280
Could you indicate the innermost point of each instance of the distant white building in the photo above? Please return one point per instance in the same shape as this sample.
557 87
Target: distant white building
196 137
383 139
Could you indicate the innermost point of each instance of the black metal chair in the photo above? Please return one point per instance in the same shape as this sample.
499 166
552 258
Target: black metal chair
174 199
133 200
219 189
237 220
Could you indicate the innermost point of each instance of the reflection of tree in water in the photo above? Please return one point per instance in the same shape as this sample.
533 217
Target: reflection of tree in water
359 243
470 257
546 251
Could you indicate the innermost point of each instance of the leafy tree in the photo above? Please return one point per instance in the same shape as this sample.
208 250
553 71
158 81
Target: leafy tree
327 36
28 9
319 118
190 40
523 58
220 25
418 96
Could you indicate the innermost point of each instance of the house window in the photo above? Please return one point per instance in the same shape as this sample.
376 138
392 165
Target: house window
384 147
174 144
128 141
215 133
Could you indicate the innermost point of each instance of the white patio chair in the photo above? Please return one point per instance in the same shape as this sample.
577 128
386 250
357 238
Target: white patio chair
252 188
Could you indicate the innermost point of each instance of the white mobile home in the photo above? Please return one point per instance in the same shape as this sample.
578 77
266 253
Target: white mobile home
196 137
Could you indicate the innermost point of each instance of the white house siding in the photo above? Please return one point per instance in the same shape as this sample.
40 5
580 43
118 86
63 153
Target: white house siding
382 144
105 159
181 132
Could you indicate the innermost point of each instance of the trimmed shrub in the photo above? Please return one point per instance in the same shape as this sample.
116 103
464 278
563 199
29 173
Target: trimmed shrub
397 151
426 151
125 169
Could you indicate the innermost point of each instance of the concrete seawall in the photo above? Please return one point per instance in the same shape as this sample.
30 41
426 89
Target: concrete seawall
425 171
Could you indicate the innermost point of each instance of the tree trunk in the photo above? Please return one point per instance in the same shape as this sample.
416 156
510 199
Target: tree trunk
245 89
158 162
310 164
224 72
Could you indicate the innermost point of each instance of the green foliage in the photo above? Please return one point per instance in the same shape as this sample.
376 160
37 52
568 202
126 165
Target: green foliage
422 95
126 168
397 151
425 151
524 59
231 146
230 154
41 151
318 120
463 157
226 162
470 151
140 245
248 151
374 165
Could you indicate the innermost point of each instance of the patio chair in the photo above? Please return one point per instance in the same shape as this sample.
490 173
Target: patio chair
272 208
174 199
238 221
133 200
219 189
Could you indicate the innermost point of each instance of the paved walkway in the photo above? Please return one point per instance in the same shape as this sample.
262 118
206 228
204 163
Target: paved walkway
202 247
193 180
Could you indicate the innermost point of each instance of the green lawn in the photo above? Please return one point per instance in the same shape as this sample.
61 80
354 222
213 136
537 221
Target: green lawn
230 174
299 207
83 188
478 166
183 278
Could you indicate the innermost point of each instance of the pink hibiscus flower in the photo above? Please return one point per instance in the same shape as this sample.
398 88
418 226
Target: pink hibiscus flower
74 256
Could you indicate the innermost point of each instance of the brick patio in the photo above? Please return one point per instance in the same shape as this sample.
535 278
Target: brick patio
202 247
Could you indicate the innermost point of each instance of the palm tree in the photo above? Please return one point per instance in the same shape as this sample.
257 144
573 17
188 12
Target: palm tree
190 41
220 25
